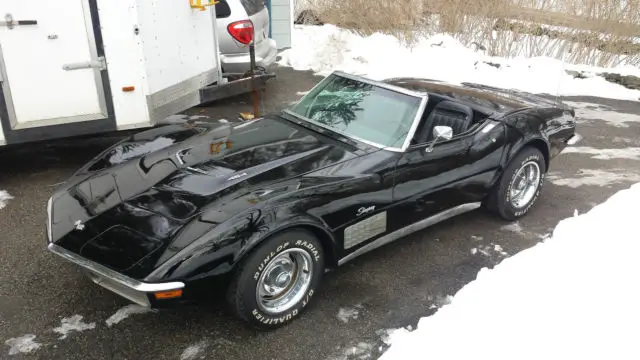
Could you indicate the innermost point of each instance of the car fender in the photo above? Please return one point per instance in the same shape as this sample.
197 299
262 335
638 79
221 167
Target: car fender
302 221
527 128
515 142
220 250
539 142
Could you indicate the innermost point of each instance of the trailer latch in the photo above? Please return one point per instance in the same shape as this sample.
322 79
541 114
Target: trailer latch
10 22
99 64
197 4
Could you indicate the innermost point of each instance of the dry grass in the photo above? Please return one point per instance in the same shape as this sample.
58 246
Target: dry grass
594 32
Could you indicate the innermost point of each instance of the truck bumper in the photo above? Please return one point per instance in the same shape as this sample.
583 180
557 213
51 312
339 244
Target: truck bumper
241 63
235 87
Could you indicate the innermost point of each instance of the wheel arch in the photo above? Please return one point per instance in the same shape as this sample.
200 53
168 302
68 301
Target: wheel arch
537 143
327 241
541 145
323 235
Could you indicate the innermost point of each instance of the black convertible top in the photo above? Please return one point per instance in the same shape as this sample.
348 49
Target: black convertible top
483 98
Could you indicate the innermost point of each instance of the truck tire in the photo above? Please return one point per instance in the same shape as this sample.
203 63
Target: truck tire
277 280
519 186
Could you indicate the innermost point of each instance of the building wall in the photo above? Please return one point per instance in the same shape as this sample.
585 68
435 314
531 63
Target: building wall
282 22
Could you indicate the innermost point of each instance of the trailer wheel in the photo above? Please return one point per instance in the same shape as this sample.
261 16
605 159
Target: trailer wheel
277 280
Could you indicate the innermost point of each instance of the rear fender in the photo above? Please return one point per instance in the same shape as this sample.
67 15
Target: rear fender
548 130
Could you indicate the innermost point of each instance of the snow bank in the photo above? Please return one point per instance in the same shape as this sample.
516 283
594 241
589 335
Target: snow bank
574 296
326 48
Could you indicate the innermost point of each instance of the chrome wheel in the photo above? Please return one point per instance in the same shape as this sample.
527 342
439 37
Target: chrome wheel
525 184
284 281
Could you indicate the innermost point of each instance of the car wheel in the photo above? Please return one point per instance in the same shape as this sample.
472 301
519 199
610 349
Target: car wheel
519 186
277 280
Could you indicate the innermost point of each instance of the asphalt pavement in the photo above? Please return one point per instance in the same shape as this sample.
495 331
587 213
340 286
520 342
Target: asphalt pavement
48 306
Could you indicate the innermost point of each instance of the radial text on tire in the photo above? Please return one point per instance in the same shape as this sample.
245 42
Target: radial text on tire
277 280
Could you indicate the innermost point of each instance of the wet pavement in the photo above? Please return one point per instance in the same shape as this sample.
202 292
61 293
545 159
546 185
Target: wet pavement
49 306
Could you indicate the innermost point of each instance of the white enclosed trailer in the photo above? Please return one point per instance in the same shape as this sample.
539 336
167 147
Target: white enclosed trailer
77 67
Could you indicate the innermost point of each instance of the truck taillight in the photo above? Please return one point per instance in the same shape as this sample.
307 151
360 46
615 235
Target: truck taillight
241 31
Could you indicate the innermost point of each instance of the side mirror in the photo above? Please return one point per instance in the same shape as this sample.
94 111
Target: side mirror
440 133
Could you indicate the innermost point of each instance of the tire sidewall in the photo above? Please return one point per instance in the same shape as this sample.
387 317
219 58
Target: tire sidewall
525 157
257 264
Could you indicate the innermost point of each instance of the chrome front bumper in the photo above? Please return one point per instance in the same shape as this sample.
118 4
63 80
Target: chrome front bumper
134 290
574 139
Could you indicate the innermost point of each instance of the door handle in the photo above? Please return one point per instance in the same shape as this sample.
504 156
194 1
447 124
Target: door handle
10 22
99 64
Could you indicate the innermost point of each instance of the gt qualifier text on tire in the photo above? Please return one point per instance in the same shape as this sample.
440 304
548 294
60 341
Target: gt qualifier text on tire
290 260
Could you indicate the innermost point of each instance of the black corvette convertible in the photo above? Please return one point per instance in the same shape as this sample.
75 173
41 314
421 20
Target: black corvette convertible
265 207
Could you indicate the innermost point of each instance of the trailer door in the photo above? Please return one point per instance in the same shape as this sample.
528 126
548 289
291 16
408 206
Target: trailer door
50 68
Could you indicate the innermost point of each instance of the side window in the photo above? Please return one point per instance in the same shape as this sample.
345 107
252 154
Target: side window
253 6
222 9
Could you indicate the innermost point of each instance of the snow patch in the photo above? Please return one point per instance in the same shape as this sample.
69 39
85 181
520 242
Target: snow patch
22 345
125 312
594 177
497 248
589 111
73 323
632 153
513 227
223 121
4 198
194 351
324 49
349 313
486 250
621 140
545 293
359 351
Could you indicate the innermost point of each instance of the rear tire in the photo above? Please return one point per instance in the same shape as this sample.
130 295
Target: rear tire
277 280
519 186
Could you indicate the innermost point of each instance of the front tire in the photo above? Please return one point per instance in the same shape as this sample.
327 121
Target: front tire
519 187
277 280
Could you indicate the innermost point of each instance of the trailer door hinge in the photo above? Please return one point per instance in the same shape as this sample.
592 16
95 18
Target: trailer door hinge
99 64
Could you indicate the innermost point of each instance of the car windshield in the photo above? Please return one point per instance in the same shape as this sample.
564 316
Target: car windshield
360 110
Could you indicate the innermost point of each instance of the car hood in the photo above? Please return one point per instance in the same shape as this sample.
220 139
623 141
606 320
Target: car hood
135 197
